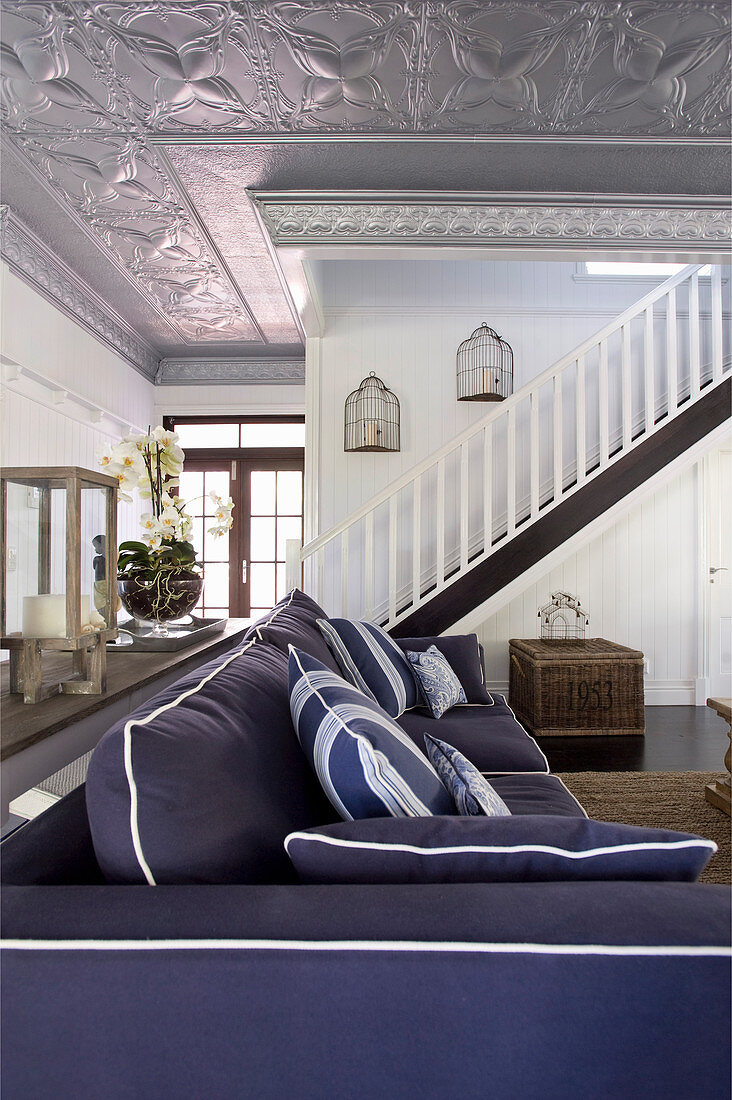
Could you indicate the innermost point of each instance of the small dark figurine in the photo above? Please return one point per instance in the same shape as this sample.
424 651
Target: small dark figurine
99 563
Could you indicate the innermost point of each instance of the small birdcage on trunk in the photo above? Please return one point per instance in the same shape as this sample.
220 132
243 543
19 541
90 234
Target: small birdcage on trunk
484 367
563 619
372 418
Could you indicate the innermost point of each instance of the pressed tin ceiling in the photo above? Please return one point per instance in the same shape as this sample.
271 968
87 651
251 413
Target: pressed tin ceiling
103 101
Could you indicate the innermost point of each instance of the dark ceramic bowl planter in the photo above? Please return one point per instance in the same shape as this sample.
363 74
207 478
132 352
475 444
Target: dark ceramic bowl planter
160 597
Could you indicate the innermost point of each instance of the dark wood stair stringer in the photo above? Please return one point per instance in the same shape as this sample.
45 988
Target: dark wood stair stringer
529 546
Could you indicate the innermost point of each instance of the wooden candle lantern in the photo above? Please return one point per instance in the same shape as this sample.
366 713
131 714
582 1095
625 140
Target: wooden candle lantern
57 591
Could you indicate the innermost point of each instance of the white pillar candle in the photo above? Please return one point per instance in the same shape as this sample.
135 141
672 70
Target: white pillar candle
370 433
45 616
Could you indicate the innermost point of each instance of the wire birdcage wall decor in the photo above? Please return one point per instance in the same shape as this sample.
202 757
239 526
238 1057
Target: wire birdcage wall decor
484 367
563 619
372 417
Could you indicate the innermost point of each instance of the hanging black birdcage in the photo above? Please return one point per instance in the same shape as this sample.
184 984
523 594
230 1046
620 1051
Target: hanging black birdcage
372 418
484 367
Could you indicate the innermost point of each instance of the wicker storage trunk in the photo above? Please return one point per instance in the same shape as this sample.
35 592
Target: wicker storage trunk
560 688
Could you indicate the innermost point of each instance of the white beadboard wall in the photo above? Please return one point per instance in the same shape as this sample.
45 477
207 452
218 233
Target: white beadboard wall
404 320
35 432
639 583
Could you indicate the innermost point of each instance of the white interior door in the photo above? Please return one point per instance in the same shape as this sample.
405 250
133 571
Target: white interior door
719 511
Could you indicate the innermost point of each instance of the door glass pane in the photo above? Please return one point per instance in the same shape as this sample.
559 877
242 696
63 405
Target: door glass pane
263 485
263 539
207 435
281 580
191 489
217 481
215 584
262 585
289 527
215 547
273 435
196 537
289 492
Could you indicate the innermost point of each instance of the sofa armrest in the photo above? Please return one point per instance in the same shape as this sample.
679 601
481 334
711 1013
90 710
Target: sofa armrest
551 990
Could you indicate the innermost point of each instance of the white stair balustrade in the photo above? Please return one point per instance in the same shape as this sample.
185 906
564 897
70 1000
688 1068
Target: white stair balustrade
527 454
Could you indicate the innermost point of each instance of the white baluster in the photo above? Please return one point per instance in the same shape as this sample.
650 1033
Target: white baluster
672 353
534 456
557 436
581 427
416 541
440 577
716 323
393 532
464 505
627 392
487 488
320 598
368 564
649 366
511 471
344 572
293 569
694 356
604 413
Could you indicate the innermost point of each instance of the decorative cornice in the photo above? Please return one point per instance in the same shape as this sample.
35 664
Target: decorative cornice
230 372
34 262
494 220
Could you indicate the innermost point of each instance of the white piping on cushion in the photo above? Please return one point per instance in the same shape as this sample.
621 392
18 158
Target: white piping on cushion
501 849
134 823
403 946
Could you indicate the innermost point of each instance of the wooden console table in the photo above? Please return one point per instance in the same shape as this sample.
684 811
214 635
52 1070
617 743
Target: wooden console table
718 792
38 739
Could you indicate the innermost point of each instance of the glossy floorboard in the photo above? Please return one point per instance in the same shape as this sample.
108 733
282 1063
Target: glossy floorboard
677 739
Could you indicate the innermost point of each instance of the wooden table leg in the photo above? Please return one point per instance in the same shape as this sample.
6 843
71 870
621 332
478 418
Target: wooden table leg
719 793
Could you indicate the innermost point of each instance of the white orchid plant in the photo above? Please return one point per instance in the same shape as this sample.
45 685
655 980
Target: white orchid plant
152 463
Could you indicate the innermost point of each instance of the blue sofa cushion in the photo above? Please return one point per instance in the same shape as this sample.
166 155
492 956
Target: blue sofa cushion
440 686
536 793
366 764
462 651
374 663
292 621
494 849
202 783
472 794
490 737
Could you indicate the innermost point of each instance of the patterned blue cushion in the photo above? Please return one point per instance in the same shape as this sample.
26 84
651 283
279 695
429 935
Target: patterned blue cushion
472 794
367 765
440 686
373 663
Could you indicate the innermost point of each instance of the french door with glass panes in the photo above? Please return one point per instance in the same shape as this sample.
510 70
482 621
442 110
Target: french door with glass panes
244 572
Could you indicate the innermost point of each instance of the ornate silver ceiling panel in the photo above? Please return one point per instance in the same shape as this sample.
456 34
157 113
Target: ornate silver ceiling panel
90 88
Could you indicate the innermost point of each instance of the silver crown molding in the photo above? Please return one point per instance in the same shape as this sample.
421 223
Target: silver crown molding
666 223
36 265
230 372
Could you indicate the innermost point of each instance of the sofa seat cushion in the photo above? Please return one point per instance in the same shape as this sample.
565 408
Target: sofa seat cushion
490 737
367 765
202 783
292 621
494 849
536 793
462 652
374 663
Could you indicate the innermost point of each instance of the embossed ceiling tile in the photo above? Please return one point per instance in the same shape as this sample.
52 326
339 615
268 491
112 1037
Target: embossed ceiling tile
147 243
54 80
216 186
189 64
342 65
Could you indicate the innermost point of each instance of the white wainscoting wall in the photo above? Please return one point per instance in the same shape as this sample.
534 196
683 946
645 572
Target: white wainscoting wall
42 427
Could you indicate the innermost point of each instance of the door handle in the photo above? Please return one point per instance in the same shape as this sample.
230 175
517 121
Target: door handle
244 571
717 569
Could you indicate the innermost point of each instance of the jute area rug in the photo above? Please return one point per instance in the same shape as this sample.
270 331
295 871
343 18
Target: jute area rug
663 800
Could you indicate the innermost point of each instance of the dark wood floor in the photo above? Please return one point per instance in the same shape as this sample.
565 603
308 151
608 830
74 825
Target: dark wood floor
677 739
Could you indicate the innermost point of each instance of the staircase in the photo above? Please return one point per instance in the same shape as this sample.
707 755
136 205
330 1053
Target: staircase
536 469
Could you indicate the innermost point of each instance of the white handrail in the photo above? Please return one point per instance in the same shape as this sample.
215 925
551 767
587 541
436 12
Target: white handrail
501 409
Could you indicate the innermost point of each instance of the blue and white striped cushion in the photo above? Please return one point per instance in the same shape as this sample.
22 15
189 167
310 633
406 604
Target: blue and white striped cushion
373 663
440 686
367 765
472 794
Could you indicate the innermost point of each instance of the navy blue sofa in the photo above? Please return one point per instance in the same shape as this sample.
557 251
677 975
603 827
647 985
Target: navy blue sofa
255 985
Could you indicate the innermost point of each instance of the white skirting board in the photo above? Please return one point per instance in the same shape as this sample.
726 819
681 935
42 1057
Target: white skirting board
658 693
